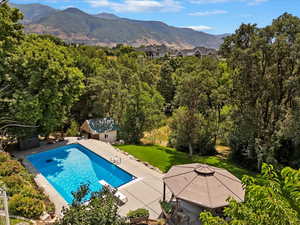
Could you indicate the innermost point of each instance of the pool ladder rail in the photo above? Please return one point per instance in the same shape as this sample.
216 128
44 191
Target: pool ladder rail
116 160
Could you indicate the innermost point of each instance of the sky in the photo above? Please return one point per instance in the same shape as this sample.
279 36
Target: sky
211 16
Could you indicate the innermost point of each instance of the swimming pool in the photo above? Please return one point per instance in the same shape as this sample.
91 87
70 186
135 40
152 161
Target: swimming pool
68 167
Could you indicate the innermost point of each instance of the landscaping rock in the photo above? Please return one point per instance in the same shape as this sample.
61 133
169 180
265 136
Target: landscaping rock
45 216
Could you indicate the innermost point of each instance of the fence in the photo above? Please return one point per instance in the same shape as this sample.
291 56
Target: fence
4 216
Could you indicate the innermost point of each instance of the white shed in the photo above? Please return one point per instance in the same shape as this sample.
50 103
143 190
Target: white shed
104 129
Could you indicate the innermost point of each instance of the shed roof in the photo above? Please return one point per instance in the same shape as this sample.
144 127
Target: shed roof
97 126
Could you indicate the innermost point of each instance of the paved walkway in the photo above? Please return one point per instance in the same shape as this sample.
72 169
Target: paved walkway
144 192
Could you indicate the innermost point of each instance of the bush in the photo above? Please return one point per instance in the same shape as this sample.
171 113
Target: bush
25 206
26 198
167 207
138 213
14 184
4 157
10 167
101 209
31 192
73 130
50 207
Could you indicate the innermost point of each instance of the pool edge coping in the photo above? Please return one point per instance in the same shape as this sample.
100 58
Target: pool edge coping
54 196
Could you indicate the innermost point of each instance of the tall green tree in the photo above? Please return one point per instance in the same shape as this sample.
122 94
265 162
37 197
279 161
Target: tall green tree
122 87
11 34
197 135
273 199
265 65
190 95
166 84
143 112
46 84
203 87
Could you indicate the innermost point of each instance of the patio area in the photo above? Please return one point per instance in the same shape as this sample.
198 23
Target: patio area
144 192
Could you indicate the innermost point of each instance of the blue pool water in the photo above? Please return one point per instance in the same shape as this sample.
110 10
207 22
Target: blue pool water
69 167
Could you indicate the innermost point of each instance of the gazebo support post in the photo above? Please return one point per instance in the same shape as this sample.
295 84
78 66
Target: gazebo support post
214 212
164 195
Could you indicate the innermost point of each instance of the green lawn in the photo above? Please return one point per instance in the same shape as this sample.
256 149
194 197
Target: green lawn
164 158
16 221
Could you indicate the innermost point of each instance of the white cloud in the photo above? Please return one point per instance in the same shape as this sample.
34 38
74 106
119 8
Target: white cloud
200 28
138 5
208 13
257 2
210 1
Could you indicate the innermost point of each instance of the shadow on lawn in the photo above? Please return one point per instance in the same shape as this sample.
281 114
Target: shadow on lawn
177 158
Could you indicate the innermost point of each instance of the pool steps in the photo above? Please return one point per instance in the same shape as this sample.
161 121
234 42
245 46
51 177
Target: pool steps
117 194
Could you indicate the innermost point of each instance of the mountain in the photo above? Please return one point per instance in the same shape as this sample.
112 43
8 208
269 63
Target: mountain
107 29
33 12
109 16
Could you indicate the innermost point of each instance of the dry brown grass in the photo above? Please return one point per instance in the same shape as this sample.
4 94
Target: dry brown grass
158 136
223 151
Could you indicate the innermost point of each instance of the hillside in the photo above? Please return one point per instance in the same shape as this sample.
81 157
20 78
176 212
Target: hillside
74 25
34 12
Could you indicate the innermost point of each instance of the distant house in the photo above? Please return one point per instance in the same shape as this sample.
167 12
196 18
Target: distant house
104 129
158 51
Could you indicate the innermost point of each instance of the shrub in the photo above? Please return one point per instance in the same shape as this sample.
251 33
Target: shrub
4 157
25 206
73 130
10 167
50 207
167 207
138 213
31 192
14 184
101 209
27 199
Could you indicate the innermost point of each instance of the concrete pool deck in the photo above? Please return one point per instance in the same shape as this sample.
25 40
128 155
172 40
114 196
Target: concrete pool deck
143 192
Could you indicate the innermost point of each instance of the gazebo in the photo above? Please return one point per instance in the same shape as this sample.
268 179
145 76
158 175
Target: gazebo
202 185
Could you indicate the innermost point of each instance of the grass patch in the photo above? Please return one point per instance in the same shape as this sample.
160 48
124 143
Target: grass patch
158 136
164 158
13 221
16 221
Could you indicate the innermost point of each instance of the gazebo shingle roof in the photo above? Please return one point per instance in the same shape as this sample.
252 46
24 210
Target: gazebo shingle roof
204 185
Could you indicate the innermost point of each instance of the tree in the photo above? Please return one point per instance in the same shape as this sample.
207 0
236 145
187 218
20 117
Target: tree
166 84
10 30
73 130
101 209
265 65
143 112
46 84
91 61
203 89
11 34
123 88
189 95
273 199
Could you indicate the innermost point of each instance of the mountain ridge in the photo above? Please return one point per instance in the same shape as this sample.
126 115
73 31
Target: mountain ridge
106 29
